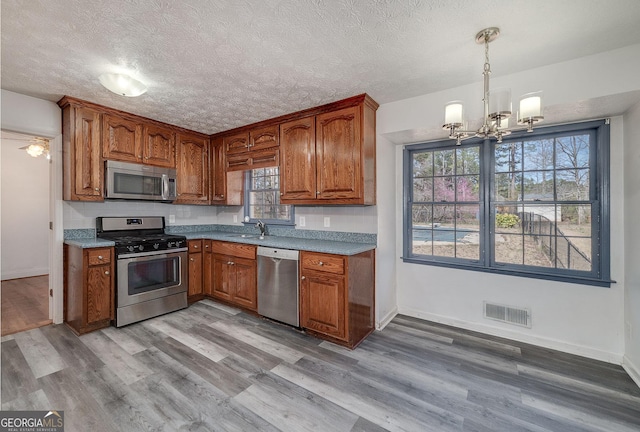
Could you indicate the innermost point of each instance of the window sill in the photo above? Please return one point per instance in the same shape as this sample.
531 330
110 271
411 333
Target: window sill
513 272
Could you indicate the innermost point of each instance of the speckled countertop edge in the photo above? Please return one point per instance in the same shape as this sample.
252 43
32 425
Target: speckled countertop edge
86 239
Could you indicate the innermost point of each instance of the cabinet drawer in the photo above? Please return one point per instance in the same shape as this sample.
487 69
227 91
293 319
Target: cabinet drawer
323 262
99 256
195 246
207 245
234 249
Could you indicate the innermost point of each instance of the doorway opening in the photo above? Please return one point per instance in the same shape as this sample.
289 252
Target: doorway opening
25 233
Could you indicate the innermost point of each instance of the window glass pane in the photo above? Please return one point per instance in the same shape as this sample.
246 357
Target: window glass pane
508 186
508 157
444 163
573 184
508 249
422 224
508 219
537 251
468 188
572 151
423 164
538 186
444 189
468 160
538 154
264 196
422 189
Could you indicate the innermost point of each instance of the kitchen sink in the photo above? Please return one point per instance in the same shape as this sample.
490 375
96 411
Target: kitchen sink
248 236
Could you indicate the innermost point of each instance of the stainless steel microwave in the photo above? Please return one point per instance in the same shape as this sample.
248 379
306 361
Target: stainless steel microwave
133 181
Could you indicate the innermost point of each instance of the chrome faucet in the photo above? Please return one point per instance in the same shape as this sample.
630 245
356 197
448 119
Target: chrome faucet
263 228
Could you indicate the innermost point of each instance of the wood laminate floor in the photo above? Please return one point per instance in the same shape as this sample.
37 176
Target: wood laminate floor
25 304
213 368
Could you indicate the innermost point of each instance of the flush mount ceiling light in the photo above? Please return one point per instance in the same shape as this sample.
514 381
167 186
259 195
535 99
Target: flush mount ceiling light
497 105
122 84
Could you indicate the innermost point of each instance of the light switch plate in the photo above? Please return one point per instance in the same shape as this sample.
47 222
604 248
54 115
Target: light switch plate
327 221
302 222
235 218
172 218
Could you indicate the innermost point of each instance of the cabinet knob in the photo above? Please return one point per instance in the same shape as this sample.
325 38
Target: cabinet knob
195 246
99 257
206 246
107 272
190 259
97 189
221 196
230 263
320 263
303 277
281 193
317 192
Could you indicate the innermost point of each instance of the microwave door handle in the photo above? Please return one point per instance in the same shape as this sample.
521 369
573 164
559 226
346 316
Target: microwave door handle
165 187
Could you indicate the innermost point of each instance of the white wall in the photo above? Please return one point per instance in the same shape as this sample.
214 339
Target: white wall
29 115
632 240
574 318
24 194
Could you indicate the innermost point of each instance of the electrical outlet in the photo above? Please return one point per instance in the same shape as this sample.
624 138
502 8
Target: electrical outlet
235 218
172 218
327 221
302 222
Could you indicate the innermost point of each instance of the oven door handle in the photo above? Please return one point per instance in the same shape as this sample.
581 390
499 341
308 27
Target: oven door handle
152 253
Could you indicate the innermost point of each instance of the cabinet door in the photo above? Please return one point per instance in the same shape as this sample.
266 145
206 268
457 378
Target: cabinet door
322 303
121 139
218 173
195 274
246 289
338 154
238 143
207 269
264 138
99 298
192 170
222 277
297 160
159 146
85 172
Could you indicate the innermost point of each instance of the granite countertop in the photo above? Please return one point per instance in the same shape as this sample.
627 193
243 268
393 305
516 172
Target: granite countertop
281 242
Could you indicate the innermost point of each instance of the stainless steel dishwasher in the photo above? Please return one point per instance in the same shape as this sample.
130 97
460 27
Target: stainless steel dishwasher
278 284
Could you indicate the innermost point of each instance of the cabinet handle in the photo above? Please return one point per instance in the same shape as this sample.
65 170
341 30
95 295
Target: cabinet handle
221 196
317 192
97 189
206 246
303 277
230 263
107 272
195 246
190 259
320 263
281 193
99 257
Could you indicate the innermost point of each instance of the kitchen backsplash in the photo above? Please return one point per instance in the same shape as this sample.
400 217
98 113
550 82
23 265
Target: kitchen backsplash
82 215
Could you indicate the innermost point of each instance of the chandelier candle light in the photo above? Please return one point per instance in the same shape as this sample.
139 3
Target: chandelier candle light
497 105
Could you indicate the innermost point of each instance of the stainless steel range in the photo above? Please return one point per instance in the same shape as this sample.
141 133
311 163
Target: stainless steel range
151 267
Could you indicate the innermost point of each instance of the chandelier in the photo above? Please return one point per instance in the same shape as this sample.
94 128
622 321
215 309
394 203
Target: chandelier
497 105
38 147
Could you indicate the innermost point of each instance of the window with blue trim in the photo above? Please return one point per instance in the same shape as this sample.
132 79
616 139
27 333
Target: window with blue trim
536 204
262 197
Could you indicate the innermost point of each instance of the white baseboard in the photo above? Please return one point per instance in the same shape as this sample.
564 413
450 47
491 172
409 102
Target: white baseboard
386 319
632 370
18 274
609 357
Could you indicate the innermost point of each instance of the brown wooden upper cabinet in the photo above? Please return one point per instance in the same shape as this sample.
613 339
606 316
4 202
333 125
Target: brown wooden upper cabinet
83 177
121 139
255 148
226 188
192 169
159 146
330 158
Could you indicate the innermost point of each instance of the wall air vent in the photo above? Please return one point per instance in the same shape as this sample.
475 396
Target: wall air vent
508 314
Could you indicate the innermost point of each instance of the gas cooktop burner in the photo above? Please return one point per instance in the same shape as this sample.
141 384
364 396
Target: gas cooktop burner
136 235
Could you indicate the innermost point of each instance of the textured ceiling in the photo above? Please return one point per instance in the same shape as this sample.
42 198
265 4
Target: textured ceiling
214 65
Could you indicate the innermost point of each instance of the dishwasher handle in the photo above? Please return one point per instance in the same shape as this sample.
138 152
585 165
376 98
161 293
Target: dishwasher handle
281 254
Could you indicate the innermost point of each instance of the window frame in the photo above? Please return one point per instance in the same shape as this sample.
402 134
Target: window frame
599 199
248 175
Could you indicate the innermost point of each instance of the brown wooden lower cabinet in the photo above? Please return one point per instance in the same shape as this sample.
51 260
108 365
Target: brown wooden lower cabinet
234 274
337 296
89 288
195 290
